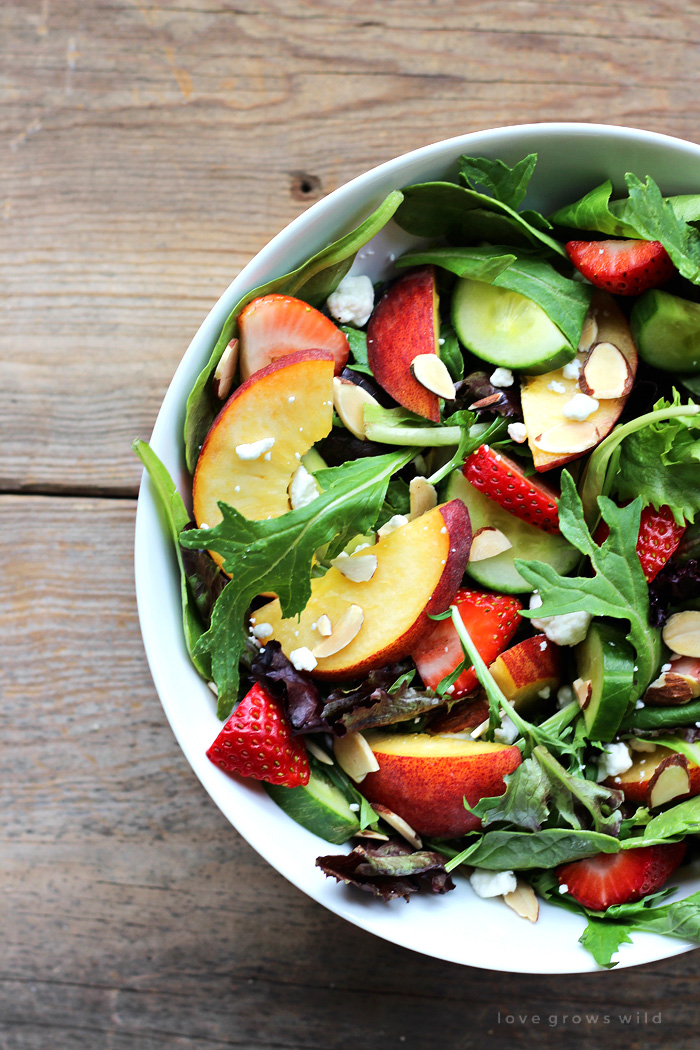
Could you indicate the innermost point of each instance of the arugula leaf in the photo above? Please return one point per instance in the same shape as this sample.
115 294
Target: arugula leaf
567 789
451 352
313 281
525 850
442 209
564 301
660 462
670 826
176 518
656 220
617 589
507 185
595 212
524 803
276 555
602 939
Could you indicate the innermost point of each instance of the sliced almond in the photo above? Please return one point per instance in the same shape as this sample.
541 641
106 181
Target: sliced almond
606 373
318 752
225 371
477 731
432 373
486 402
359 568
682 633
567 438
349 401
354 756
523 901
487 542
324 626
345 630
582 691
423 497
670 780
369 834
671 688
589 333
398 824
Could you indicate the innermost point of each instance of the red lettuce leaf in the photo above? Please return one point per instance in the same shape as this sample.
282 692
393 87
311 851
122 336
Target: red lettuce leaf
300 695
371 704
389 871
672 586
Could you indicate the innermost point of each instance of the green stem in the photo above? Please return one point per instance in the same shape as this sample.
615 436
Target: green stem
426 437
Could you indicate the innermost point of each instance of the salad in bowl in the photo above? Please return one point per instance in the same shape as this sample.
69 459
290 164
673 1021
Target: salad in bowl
437 539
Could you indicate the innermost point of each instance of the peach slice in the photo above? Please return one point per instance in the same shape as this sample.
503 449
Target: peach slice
405 325
528 672
638 781
291 401
544 396
419 568
424 779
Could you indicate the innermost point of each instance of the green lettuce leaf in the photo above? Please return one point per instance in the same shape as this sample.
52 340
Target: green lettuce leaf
594 211
507 185
617 589
603 939
357 341
569 791
525 850
671 825
524 802
276 555
564 301
313 282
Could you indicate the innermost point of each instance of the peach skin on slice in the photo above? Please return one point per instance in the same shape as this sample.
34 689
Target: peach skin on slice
543 397
528 672
404 324
419 568
290 401
424 778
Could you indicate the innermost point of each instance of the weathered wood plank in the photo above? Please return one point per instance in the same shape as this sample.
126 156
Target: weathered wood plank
135 918
152 149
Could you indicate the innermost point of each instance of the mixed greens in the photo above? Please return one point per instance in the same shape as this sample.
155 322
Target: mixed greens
539 426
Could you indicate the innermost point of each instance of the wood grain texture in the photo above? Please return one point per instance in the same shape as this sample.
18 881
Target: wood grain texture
135 918
152 149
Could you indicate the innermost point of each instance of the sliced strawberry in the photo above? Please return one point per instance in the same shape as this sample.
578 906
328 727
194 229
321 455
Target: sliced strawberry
275 325
256 742
617 878
502 480
491 619
659 535
622 267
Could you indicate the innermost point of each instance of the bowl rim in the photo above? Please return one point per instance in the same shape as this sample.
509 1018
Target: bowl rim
654 947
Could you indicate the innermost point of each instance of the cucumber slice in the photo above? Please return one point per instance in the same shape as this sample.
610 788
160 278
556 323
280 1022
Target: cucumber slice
507 329
666 330
606 659
319 807
528 542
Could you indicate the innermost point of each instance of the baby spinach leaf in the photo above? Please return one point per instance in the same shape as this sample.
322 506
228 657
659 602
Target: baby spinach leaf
651 718
357 341
176 519
670 826
564 301
617 589
276 555
525 850
507 185
451 352
595 211
313 282
524 802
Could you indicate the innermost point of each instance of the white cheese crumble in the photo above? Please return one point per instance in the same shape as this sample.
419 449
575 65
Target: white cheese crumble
352 301
255 449
565 695
393 523
303 659
492 883
572 369
502 377
302 488
262 630
517 432
545 693
508 733
615 759
563 888
564 629
580 407
556 387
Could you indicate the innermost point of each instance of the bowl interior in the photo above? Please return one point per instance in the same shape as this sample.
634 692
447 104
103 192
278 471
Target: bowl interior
572 158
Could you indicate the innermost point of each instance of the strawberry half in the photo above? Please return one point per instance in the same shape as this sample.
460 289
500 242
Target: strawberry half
256 742
618 878
659 535
502 480
622 267
275 325
491 619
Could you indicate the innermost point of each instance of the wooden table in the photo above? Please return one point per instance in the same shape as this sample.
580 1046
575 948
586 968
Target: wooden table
148 152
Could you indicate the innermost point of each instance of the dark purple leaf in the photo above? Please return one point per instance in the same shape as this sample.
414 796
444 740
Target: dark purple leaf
370 703
205 579
302 700
389 871
477 393
673 585
340 446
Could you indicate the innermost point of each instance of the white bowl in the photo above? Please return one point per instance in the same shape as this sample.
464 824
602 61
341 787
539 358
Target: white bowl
459 927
